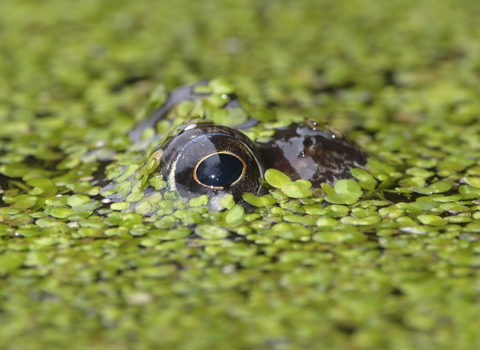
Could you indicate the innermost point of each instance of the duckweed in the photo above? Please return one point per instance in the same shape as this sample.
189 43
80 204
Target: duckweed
387 259
345 192
261 201
211 232
276 178
234 214
199 201
296 189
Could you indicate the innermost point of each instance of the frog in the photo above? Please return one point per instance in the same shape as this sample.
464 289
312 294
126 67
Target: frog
199 155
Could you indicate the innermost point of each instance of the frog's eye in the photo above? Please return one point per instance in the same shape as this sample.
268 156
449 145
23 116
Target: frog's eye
219 170
210 160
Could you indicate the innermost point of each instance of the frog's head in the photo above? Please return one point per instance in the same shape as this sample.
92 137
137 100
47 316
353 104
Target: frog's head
204 158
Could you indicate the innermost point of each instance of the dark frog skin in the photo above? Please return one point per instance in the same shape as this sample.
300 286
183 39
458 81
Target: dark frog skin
312 152
200 157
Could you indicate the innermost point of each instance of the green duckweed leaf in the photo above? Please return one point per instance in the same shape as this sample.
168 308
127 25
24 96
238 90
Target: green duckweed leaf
211 232
472 181
365 179
276 178
261 201
338 237
296 189
78 200
437 187
234 214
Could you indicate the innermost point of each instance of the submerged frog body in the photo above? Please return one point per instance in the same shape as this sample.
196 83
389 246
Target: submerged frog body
201 157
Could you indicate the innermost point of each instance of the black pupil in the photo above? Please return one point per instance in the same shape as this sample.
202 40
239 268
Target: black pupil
220 169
